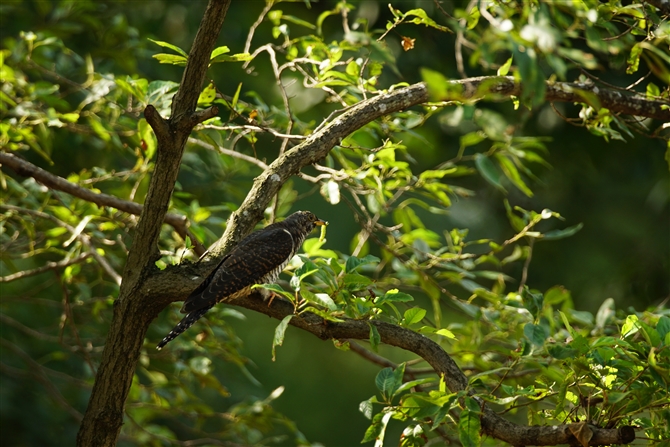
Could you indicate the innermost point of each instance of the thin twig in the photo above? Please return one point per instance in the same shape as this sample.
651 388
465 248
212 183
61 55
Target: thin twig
228 152
46 267
526 265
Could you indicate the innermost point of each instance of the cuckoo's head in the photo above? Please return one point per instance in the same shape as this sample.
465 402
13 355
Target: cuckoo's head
303 222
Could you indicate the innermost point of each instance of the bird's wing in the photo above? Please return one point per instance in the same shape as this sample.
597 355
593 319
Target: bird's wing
256 256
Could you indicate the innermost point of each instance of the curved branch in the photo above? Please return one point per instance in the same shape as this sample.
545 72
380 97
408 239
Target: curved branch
311 150
169 285
502 87
27 169
492 424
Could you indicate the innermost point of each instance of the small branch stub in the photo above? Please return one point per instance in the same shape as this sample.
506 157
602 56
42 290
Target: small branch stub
157 122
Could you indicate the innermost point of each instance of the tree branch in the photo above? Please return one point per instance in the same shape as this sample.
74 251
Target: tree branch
311 150
104 415
45 268
172 284
503 87
85 239
492 424
27 169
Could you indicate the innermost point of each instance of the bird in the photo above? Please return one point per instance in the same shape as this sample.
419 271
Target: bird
257 259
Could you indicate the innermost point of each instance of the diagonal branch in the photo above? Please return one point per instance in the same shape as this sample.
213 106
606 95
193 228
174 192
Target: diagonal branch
176 282
27 169
492 424
311 150
45 268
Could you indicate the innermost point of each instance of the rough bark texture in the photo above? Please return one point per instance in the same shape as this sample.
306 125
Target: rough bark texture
313 149
492 424
502 87
104 414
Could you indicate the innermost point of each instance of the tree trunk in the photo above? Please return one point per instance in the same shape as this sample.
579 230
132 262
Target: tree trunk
133 310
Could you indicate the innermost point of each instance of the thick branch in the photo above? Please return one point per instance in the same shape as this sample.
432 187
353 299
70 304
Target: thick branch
492 424
168 285
502 87
313 149
186 98
104 415
27 169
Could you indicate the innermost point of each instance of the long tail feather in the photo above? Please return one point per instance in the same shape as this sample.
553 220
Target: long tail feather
184 324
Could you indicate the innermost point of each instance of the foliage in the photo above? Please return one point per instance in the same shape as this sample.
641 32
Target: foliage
531 355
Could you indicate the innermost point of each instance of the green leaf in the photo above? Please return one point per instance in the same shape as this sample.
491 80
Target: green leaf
393 295
561 352
512 173
276 288
634 58
560 234
207 95
278 339
354 281
532 301
532 79
436 82
218 51
423 19
236 96
322 299
388 381
375 428
174 48
536 334
413 383
413 315
469 426
353 262
489 171
172 59
365 407
418 407
663 326
472 139
297 21
385 382
504 69
238 57
615 397
446 333
630 326
375 338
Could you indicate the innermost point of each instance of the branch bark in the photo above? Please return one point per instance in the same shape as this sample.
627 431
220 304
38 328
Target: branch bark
104 415
502 87
26 169
492 424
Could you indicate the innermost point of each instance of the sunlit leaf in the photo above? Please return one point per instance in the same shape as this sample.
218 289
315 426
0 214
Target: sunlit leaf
278 339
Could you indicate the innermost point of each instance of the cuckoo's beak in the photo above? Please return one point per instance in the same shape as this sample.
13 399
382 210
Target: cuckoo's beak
320 222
